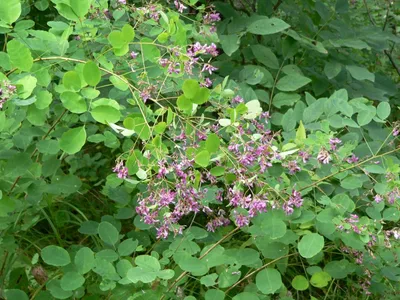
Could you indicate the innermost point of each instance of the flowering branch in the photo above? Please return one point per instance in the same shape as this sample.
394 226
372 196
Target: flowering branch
349 168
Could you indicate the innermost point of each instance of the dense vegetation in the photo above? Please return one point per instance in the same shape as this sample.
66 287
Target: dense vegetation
194 149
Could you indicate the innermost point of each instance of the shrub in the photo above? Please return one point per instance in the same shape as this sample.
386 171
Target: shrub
192 151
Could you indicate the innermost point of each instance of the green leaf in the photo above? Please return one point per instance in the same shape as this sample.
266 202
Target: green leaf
71 281
265 56
73 140
300 283
54 287
193 265
147 271
289 120
72 81
268 281
383 110
214 295
332 69
320 279
246 296
48 146
10 10
266 26
190 88
105 114
119 83
351 182
148 262
55 256
91 73
292 83
128 33
201 96
184 103
84 260
365 116
285 99
43 99
20 55
25 87
15 294
310 245
209 280
80 7
230 43
141 128
343 203
160 127
217 171
127 247
360 73
212 143
73 102
202 158
253 109
7 205
391 214
108 233
300 134
338 269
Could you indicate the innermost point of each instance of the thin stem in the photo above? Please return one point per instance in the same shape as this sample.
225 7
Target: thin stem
257 270
395 66
278 3
34 151
369 13
349 168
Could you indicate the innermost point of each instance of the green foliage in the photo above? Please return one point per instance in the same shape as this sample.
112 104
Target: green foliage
136 162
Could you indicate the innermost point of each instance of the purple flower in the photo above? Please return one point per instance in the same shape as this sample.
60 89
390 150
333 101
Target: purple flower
212 50
209 68
396 131
352 159
164 62
333 142
207 83
166 197
241 220
122 1
324 157
257 206
179 6
145 95
295 199
378 198
174 68
237 99
162 232
121 170
304 155
133 54
162 171
287 208
211 17
293 167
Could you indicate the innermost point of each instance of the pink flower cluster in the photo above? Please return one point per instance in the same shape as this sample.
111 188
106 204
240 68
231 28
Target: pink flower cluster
121 170
6 91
